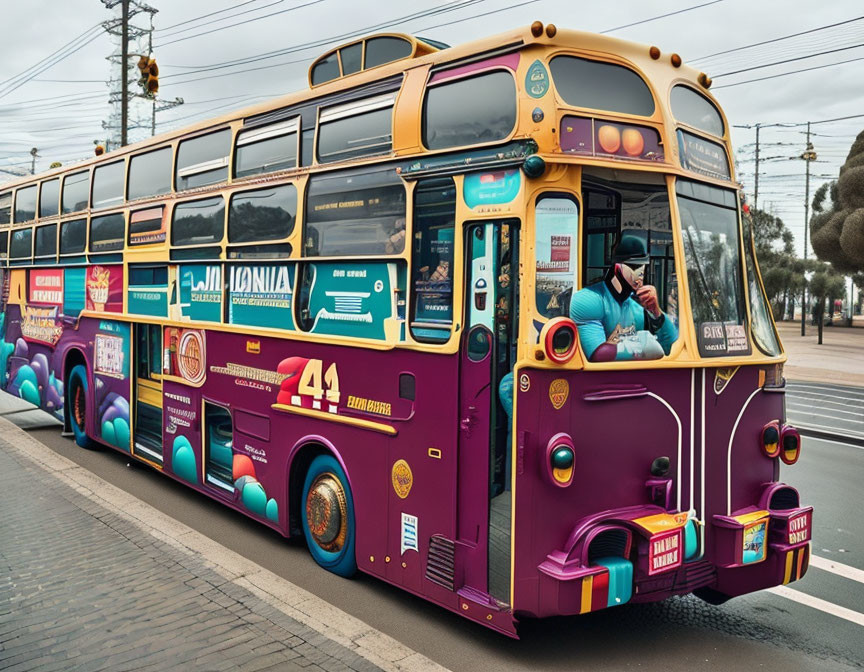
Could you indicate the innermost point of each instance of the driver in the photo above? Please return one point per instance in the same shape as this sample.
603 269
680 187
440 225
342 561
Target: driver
620 318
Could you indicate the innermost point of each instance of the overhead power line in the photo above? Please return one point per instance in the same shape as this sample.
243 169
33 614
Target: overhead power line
777 39
204 16
792 72
661 16
788 60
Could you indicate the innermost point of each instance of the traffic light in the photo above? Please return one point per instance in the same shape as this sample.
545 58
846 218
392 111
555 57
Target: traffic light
149 75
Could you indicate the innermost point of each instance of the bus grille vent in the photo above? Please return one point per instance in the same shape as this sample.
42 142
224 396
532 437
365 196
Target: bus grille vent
695 575
440 563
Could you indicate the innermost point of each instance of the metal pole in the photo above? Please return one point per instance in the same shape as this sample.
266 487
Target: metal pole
807 159
756 186
124 76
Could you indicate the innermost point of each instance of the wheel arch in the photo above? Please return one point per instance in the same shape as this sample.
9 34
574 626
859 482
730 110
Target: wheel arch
71 358
300 457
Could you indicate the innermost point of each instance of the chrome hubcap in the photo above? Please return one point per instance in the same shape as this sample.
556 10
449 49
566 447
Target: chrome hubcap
327 512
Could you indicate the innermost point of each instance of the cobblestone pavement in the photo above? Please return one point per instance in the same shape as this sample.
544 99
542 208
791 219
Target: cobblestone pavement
84 585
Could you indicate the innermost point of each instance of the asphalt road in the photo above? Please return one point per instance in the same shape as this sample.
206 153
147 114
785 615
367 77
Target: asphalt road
765 631
827 408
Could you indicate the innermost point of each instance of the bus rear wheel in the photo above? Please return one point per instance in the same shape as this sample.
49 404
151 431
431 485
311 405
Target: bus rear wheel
76 401
328 516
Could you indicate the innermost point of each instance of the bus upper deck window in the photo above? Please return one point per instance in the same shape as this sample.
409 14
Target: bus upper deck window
601 86
150 174
108 184
49 198
5 208
267 149
76 191
696 110
25 204
469 111
203 160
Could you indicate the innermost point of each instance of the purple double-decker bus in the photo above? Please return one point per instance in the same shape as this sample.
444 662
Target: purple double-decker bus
484 322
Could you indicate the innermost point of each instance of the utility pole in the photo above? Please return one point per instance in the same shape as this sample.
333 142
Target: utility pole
34 153
124 76
808 156
756 186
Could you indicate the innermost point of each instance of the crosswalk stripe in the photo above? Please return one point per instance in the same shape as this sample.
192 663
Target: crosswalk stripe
817 603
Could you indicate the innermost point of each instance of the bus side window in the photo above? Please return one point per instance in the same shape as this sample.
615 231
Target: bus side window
432 260
556 225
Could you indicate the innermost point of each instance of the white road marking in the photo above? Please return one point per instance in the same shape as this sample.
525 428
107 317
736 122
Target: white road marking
837 568
809 410
833 430
817 603
819 438
825 398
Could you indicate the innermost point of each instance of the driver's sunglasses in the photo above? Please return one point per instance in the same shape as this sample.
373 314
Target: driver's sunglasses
635 268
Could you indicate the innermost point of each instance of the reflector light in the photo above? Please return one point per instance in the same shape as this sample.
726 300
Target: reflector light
790 445
560 459
560 339
771 439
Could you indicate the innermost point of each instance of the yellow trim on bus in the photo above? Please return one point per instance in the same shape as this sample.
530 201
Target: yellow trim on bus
333 417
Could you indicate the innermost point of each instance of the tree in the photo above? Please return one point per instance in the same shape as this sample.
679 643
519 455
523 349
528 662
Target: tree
782 271
837 231
826 283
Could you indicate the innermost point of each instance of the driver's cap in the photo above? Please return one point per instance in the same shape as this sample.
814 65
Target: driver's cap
630 250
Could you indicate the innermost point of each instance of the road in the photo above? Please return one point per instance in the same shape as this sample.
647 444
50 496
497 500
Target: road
820 628
827 408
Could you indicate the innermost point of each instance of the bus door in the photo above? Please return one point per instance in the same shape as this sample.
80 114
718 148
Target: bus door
488 354
148 392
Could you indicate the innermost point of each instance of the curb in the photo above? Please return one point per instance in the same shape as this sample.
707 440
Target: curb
333 623
818 433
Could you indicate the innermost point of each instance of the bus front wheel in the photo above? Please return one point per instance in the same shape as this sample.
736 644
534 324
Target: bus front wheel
328 516
77 393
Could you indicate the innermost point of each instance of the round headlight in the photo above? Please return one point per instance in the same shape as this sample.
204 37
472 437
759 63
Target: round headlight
560 339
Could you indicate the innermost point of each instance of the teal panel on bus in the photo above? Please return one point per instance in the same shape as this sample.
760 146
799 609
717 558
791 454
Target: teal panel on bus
352 299
149 300
73 291
201 292
492 188
260 295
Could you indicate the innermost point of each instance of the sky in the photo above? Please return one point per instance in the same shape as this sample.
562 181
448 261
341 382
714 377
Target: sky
59 107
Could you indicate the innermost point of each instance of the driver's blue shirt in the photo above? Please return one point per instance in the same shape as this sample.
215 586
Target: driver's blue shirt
598 314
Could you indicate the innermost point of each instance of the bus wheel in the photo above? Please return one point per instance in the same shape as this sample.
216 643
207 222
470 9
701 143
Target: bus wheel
76 402
328 516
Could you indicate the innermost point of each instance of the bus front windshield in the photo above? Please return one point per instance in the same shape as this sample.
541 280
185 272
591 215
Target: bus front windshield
709 225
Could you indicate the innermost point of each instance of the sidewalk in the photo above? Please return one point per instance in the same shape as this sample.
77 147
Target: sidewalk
839 360
91 578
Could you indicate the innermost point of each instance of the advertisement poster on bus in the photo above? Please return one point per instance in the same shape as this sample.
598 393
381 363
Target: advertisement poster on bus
111 364
46 286
433 286
260 295
105 288
201 292
352 299
41 324
557 221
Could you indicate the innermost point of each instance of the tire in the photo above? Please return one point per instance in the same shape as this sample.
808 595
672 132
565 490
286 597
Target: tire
77 392
330 538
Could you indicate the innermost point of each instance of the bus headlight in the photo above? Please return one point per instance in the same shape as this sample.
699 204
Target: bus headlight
560 459
560 339
771 439
790 445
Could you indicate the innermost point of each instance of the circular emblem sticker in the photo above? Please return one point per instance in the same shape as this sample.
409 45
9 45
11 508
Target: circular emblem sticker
559 390
379 285
524 382
190 360
402 478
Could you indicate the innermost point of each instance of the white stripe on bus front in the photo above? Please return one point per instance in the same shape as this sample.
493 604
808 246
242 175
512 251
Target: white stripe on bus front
678 421
729 451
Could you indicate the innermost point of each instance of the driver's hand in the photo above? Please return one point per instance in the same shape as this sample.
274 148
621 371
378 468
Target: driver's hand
646 295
